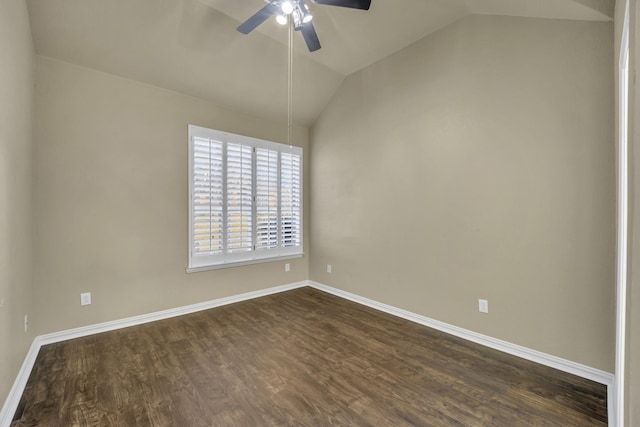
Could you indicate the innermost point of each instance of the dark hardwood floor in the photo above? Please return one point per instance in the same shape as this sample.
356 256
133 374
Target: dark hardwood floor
301 358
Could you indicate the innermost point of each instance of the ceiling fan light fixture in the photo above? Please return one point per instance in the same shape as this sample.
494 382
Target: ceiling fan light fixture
281 18
287 7
306 13
300 17
297 19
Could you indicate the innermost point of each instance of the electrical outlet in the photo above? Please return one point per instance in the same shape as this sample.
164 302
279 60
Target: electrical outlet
287 267
85 298
328 268
26 322
483 306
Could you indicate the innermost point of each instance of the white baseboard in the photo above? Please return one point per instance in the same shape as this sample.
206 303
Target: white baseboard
561 364
574 368
164 314
13 399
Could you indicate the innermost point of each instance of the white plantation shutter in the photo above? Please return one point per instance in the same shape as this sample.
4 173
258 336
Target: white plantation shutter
266 199
239 198
290 200
245 199
207 215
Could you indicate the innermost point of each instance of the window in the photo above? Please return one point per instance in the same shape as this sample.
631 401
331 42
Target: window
245 200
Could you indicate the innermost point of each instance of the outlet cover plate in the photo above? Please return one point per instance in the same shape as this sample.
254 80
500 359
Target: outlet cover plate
483 306
85 298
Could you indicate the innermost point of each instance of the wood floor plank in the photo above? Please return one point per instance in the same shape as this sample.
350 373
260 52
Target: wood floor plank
298 358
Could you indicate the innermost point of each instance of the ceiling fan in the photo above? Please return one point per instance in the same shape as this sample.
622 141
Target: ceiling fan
301 15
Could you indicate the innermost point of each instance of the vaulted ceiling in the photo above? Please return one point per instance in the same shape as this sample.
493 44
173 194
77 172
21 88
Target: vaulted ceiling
192 46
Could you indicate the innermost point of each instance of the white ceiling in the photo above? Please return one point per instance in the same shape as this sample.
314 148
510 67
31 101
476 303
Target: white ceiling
192 46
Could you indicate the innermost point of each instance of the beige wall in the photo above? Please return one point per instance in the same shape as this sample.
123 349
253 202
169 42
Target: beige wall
16 258
111 198
478 163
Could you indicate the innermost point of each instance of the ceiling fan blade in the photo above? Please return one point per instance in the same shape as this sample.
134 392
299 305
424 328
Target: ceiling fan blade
353 4
260 16
310 36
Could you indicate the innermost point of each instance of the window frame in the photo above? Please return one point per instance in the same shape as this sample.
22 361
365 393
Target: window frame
253 256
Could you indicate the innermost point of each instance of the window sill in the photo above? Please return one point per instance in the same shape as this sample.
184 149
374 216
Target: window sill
241 263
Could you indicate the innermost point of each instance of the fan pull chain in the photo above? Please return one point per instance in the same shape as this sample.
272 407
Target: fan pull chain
290 87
